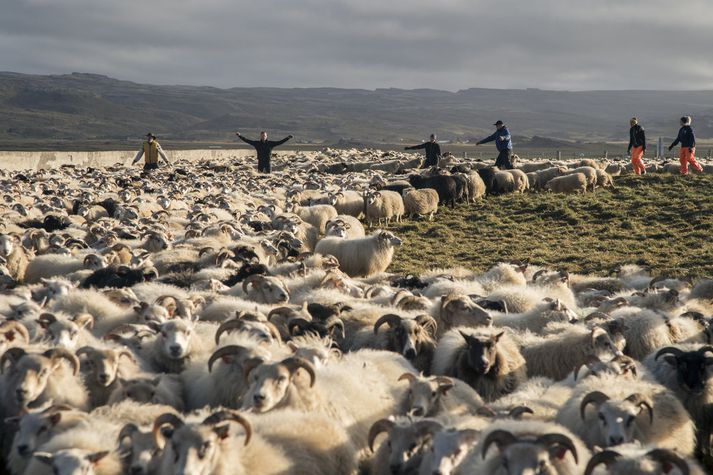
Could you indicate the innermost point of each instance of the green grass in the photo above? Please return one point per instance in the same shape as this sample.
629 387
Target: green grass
663 221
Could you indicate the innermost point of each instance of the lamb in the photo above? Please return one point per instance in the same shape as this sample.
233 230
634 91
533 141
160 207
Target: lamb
361 257
15 257
316 215
384 205
628 459
102 367
421 202
437 396
486 359
445 186
568 184
555 356
410 337
35 378
605 413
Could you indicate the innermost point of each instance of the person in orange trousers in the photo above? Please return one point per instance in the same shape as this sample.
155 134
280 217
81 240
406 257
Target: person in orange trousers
637 146
688 146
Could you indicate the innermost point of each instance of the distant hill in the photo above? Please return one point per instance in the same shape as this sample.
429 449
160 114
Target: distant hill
89 107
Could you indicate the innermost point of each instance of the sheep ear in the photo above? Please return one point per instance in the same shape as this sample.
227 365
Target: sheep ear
222 431
496 338
55 418
97 456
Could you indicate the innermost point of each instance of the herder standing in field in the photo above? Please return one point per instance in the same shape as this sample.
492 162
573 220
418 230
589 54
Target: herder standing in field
637 146
433 151
688 146
151 150
263 147
503 143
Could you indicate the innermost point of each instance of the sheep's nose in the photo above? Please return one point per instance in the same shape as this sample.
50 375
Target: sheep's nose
258 398
616 440
23 449
175 350
137 470
410 354
21 394
103 378
418 411
395 469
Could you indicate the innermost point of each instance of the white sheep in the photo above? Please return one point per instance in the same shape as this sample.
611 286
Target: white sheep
363 256
15 257
384 205
571 183
422 202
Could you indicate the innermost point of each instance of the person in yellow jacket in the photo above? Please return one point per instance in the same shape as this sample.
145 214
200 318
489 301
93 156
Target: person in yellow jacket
151 150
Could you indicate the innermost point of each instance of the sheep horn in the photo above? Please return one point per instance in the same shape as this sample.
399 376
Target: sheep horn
46 319
656 280
501 438
704 349
336 322
640 400
84 320
293 364
281 311
392 319
167 418
127 353
225 351
559 439
538 273
127 431
12 325
228 415
595 397
251 280
85 350
597 314
606 457
12 354
382 425
273 331
56 353
665 456
234 324
298 322
485 411
408 377
518 411
669 349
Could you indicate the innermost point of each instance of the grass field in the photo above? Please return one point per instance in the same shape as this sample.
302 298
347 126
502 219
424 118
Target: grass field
663 221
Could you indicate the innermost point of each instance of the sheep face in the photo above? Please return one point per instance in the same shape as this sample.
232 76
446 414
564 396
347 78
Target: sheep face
481 351
175 336
408 336
388 239
405 442
122 297
138 450
151 313
694 369
103 365
556 311
156 242
140 390
423 395
65 332
457 310
607 344
8 243
54 289
449 448
197 449
265 289
28 374
618 420
71 461
543 455
33 430
269 384
25 311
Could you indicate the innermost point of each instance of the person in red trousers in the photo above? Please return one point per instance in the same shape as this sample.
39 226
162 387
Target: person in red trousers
688 146
637 146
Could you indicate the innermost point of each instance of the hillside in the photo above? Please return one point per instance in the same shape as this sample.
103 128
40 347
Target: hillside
87 107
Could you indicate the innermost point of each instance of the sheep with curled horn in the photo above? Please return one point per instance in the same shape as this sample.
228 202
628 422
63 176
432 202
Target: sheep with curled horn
604 412
404 445
457 310
413 338
252 325
635 459
102 366
265 289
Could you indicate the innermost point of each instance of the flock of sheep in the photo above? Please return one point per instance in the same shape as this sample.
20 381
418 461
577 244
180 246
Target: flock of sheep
207 319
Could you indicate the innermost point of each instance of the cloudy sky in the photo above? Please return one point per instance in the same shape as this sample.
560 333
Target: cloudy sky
443 44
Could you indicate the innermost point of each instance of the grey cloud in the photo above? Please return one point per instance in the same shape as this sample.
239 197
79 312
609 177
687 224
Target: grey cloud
451 44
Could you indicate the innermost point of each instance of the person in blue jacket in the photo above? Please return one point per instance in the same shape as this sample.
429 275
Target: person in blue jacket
503 143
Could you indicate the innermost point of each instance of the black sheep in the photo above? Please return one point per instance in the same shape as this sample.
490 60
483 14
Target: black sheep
118 277
445 185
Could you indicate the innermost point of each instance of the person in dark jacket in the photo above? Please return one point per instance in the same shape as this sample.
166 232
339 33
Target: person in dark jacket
503 143
263 147
688 146
637 146
433 151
